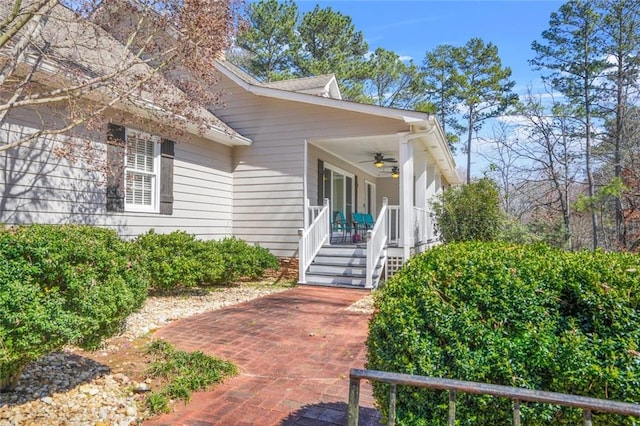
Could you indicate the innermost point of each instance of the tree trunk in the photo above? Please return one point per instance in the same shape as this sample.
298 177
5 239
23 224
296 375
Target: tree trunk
469 135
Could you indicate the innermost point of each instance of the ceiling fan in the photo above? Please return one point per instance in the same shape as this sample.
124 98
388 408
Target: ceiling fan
394 172
379 160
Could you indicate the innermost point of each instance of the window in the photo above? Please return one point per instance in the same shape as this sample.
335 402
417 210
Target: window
139 171
141 188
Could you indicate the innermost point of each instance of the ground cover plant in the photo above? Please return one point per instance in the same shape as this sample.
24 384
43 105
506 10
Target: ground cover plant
183 372
526 316
62 285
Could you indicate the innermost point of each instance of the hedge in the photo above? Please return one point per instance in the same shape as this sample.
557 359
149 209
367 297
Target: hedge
179 260
62 285
526 316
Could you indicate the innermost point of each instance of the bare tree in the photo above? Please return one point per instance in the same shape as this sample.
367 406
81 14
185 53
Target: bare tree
538 168
154 58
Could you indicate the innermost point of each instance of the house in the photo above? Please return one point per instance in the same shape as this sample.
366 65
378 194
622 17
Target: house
273 167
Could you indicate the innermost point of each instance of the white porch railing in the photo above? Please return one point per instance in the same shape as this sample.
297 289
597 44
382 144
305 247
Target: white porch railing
377 241
312 238
393 224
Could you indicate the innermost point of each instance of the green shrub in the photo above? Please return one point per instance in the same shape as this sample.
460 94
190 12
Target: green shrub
526 316
242 260
469 212
179 260
61 285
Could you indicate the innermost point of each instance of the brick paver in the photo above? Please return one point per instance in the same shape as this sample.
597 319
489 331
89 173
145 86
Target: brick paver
293 349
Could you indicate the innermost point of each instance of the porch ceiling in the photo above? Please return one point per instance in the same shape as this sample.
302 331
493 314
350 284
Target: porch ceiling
363 148
354 150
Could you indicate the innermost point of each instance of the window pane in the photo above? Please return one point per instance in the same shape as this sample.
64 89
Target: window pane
140 154
139 189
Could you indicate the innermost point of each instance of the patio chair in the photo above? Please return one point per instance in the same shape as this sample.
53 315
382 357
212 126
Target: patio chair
340 224
359 225
368 220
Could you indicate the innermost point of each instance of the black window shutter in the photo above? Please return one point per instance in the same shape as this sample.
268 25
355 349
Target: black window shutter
355 196
320 182
115 168
167 154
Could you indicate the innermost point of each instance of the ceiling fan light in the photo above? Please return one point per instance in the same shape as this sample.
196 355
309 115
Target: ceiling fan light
395 173
378 164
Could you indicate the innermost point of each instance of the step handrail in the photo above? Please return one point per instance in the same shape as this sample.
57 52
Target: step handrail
377 241
312 239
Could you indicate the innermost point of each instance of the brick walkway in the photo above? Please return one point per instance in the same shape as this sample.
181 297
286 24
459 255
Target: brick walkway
293 349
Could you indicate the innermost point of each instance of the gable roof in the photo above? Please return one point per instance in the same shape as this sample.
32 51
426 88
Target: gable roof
249 83
324 85
420 123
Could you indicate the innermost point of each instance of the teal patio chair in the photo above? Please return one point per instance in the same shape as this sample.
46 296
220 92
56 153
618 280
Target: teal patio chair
340 224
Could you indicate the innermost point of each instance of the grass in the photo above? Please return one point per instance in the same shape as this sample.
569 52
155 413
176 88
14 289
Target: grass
183 373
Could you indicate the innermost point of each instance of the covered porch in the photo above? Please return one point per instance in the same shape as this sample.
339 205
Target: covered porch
389 178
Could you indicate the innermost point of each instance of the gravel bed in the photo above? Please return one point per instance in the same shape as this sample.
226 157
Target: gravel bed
63 388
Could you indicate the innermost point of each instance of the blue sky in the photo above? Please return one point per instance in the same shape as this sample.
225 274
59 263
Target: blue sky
410 28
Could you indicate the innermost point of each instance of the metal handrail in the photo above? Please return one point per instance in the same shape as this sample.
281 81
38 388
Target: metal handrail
516 394
376 242
312 239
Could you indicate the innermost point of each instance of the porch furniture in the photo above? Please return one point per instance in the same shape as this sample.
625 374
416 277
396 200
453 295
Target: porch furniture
340 224
368 220
362 224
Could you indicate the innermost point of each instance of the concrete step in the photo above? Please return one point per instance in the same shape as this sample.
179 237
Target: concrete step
335 281
347 271
342 251
340 261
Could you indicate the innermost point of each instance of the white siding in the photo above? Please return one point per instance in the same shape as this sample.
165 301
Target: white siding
36 186
268 175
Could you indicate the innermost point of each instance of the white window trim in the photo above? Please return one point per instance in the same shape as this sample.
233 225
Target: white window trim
155 204
373 200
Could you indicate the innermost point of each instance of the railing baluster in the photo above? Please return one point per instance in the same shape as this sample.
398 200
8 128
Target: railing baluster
587 417
452 408
354 402
392 404
516 412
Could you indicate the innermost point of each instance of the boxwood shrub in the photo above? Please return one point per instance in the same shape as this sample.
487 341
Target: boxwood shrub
526 316
242 260
178 260
62 285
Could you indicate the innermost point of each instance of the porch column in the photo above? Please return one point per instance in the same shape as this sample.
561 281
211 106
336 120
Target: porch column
421 182
431 181
421 196
431 192
438 182
406 194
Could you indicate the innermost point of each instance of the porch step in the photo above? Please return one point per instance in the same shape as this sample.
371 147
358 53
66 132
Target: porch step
338 270
344 266
336 281
342 251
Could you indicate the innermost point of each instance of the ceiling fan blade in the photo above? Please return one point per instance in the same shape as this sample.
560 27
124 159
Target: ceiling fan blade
390 160
366 161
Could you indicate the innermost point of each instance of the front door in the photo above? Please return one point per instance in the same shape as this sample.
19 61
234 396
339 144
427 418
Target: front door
338 188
